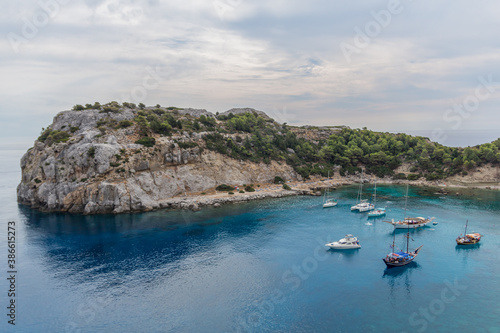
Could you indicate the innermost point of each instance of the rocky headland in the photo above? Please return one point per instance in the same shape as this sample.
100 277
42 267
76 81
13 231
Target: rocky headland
117 159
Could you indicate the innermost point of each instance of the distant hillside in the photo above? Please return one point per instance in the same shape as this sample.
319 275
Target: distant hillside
119 158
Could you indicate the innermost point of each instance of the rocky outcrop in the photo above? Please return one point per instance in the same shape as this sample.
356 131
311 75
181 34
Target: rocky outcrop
100 169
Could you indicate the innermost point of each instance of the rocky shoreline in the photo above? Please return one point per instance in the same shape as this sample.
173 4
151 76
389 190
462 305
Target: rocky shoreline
195 202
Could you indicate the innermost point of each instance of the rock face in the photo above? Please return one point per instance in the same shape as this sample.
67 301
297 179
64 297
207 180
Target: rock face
102 170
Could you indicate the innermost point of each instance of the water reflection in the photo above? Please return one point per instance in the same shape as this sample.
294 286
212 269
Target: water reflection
400 275
108 248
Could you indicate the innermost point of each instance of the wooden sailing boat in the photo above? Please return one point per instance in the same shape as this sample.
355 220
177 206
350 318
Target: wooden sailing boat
468 239
411 222
401 258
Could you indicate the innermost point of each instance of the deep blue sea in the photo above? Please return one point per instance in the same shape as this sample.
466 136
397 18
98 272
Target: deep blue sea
255 267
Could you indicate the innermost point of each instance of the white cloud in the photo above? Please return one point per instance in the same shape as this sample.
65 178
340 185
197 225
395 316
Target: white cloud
272 55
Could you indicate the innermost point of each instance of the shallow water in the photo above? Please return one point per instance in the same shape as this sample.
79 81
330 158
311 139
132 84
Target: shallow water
259 266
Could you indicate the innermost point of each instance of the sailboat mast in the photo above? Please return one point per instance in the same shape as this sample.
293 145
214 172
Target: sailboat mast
406 200
407 225
375 194
361 190
465 233
393 240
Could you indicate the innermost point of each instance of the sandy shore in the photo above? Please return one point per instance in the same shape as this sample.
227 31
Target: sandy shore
313 186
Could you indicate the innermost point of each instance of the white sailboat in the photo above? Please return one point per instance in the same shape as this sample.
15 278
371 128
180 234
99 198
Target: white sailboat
377 211
362 205
328 202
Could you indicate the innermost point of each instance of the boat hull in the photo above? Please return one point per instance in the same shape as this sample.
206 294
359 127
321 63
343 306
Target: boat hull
410 225
365 209
471 240
390 264
335 246
329 204
376 213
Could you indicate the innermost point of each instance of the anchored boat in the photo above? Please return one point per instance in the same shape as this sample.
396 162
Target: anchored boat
377 211
401 258
468 239
410 222
346 243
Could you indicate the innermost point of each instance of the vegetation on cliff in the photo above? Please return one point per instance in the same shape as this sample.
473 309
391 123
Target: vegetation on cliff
255 137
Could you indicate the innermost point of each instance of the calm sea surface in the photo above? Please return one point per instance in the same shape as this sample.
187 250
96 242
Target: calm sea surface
254 267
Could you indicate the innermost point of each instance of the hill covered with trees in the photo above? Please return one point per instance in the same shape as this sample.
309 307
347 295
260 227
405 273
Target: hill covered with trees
251 135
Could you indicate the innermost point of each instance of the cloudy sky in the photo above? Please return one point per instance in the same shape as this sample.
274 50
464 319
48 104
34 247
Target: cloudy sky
426 67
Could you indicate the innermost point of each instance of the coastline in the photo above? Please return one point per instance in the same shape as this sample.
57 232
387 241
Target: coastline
194 201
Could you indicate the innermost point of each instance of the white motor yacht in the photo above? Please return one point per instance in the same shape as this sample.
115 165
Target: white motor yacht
348 242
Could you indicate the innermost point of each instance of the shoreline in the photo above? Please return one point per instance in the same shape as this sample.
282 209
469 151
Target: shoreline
312 187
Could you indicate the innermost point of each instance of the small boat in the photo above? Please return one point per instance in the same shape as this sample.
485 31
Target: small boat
468 239
346 243
377 211
435 222
362 205
328 202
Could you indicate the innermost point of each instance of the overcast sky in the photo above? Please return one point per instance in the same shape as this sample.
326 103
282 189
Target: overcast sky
424 67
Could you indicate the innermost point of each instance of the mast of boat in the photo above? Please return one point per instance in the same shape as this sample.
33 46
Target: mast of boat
375 194
360 194
407 225
406 201
327 188
465 232
394 240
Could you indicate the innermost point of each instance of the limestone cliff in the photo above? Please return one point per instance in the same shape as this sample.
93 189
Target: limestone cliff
98 168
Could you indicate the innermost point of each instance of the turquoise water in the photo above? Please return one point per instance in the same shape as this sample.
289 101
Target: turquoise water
255 267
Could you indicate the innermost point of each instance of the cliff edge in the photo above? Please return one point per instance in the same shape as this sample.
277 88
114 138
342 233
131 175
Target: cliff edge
89 161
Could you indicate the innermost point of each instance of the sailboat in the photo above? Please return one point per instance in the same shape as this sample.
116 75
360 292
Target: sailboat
468 239
362 205
328 202
377 211
411 222
401 258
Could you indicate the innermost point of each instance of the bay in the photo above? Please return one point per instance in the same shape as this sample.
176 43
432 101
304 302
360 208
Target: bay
256 267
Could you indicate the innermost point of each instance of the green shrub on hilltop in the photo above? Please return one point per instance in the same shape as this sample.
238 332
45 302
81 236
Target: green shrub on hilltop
187 144
146 141
50 136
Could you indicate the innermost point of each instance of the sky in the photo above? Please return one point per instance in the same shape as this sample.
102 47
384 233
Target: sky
427 68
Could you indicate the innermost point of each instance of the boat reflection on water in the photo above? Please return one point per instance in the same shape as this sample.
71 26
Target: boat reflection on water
467 248
398 271
400 277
